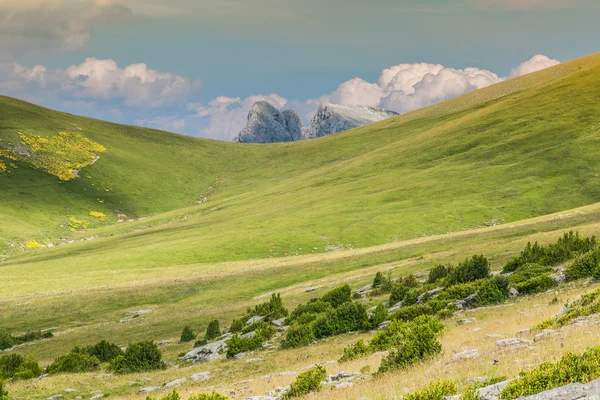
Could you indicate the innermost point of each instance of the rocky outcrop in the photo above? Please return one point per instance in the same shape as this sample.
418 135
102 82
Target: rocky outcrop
334 118
266 124
207 352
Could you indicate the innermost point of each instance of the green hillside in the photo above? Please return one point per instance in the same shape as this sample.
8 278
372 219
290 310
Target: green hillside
521 148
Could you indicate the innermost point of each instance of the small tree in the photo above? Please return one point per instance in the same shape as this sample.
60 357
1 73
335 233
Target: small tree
213 331
379 280
187 335
236 326
3 392
306 382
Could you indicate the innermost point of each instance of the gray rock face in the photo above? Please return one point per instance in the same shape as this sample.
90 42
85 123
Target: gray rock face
573 391
207 352
464 355
492 392
266 124
334 118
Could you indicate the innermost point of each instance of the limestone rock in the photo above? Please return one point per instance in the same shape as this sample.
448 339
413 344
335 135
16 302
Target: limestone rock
464 355
266 124
492 392
334 118
254 320
175 383
208 352
512 343
201 376
573 391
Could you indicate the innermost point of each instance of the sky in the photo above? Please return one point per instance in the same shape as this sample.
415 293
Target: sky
196 66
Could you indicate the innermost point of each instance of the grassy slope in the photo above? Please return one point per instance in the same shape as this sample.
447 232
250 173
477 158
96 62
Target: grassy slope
522 148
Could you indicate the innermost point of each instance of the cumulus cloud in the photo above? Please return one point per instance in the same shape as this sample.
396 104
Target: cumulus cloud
536 63
135 85
38 25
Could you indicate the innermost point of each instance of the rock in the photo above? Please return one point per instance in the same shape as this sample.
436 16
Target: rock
55 397
208 352
464 355
239 356
333 118
466 321
149 389
573 391
341 375
545 334
69 390
254 320
343 385
430 294
512 343
226 336
395 308
455 397
493 336
266 124
201 376
175 383
138 313
165 343
97 396
252 360
283 328
524 332
248 335
311 289
383 325
278 322
513 292
492 392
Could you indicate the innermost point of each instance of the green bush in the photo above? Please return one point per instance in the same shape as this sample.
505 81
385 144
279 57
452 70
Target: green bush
411 312
379 315
338 296
139 357
402 290
3 392
104 351
492 291
584 266
200 343
434 391
346 318
419 341
273 309
74 362
472 269
208 396
299 335
588 304
379 280
213 330
306 382
313 307
571 368
169 396
536 285
357 350
437 273
187 335
236 326
264 331
16 366
6 341
564 249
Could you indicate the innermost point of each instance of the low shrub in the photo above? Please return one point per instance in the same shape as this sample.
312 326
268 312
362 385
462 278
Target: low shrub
74 362
472 269
306 382
379 280
584 266
3 392
571 368
187 335
263 332
16 366
138 357
200 343
338 296
213 330
104 351
492 291
357 350
379 315
532 278
438 273
299 335
273 309
236 326
588 304
402 290
434 391
419 342
202 396
6 341
411 312
313 307
346 318
538 284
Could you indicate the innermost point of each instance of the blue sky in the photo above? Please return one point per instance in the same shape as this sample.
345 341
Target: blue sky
207 60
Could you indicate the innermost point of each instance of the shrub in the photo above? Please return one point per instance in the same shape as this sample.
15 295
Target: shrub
208 396
402 288
31 336
273 309
299 335
584 265
434 391
169 396
588 304
3 392
347 317
306 382
536 285
187 335
492 291
139 357
200 343
104 351
437 273
419 341
16 366
313 307
472 269
213 330
6 341
580 368
236 326
338 296
74 362
379 280
357 350
379 315
411 312
264 331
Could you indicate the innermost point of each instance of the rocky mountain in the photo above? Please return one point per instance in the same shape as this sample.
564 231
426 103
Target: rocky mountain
266 124
334 118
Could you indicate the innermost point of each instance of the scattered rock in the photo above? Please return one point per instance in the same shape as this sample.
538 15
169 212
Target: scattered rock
278 322
254 319
466 321
97 396
383 325
69 390
343 385
165 343
208 352
395 308
239 356
523 332
149 389
201 376
512 343
248 335
341 375
55 397
513 292
226 336
464 355
138 313
311 289
545 334
493 336
176 382
430 294
251 360
573 391
492 392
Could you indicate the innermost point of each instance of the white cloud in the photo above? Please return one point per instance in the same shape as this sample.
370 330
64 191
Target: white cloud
536 63
39 25
135 85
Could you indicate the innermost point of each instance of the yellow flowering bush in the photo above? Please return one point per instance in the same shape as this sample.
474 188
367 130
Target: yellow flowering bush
77 224
97 214
32 244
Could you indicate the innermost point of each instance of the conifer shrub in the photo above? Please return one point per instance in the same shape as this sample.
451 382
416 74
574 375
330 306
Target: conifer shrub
357 350
584 266
338 296
313 307
379 315
379 280
138 357
492 291
538 284
187 335
570 368
6 341
213 330
104 351
437 273
472 269
413 311
588 304
208 396
263 332
299 335
200 343
347 317
3 392
236 326
434 391
306 382
18 367
74 362
271 310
